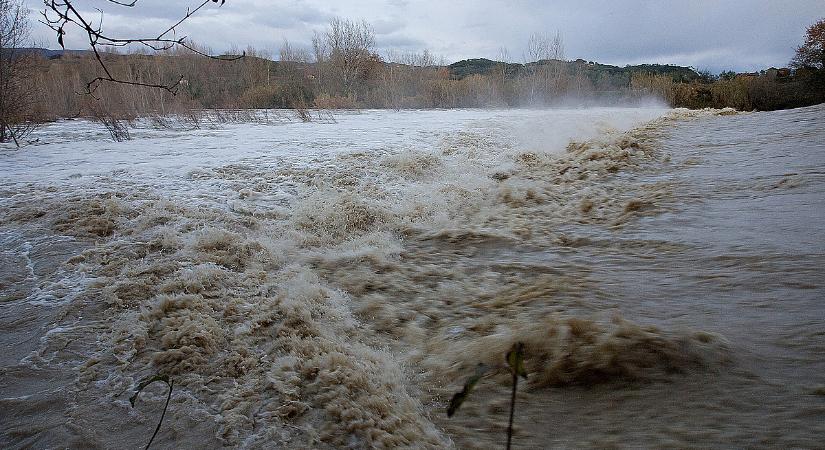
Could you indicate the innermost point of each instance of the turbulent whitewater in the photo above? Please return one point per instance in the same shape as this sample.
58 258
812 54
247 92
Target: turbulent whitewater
331 284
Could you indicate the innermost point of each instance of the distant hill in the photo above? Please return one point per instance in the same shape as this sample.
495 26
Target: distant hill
594 71
51 54
482 66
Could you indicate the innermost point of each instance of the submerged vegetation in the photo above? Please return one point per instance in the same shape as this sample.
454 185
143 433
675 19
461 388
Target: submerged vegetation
143 385
515 365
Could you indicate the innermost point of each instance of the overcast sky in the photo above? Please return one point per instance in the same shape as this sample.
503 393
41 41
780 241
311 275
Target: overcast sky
715 35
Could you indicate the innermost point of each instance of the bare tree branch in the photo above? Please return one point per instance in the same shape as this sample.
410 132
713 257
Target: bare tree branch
62 14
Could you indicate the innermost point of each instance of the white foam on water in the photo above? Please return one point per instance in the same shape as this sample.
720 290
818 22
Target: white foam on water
332 283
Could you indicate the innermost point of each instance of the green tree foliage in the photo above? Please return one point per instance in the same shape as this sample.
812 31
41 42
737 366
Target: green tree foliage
727 75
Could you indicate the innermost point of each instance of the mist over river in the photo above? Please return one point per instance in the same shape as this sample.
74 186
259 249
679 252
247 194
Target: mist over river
331 284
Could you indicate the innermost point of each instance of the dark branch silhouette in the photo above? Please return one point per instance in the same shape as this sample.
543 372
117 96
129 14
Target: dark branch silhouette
62 14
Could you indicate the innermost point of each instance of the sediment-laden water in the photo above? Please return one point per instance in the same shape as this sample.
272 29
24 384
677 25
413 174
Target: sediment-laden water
331 285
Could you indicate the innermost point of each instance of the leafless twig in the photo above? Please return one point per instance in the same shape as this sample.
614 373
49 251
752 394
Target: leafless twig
62 14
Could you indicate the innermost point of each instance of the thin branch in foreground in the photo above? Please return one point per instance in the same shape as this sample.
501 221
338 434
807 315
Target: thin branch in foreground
143 384
62 14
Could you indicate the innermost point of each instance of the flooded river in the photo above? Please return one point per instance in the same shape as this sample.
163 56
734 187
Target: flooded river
331 285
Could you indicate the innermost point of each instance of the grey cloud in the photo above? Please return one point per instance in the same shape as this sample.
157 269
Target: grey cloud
401 42
708 34
387 26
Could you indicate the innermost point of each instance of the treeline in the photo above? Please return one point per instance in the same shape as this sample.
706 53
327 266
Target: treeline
343 70
745 92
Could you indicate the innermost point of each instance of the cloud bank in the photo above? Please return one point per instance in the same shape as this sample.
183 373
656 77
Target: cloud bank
742 35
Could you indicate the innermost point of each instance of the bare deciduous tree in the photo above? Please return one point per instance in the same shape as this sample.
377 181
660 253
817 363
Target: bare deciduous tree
319 50
350 46
544 66
290 53
403 79
17 95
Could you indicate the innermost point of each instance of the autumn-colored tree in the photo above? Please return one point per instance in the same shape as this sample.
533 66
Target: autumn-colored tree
812 52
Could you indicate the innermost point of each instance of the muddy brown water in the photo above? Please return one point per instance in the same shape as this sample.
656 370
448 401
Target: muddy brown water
666 281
